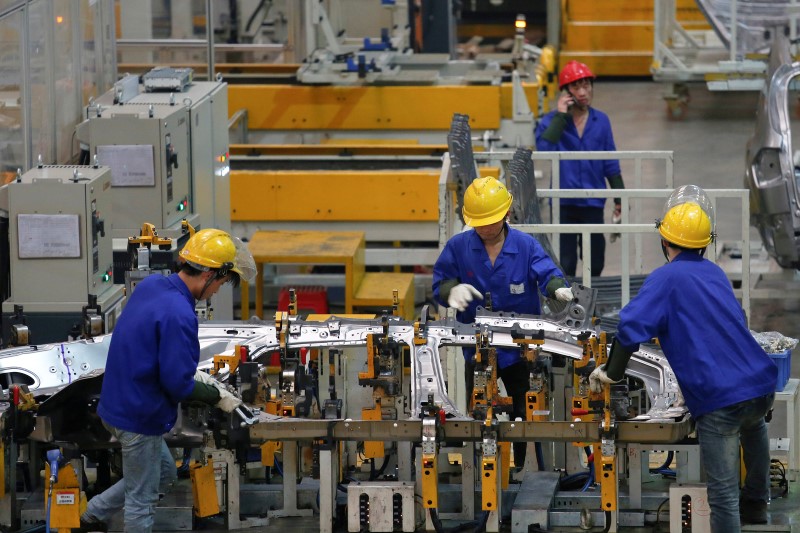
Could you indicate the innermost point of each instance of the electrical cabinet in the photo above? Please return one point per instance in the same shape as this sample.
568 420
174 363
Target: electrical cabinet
59 247
168 154
147 149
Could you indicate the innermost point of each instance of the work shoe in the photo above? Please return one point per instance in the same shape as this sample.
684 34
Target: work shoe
753 511
88 526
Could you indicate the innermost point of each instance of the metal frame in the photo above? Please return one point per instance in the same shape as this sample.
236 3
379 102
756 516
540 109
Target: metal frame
632 219
626 228
682 55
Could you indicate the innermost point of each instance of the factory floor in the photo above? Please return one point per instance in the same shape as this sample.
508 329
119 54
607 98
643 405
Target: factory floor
709 149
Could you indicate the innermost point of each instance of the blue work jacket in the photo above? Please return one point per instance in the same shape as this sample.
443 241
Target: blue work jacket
582 174
152 357
521 270
688 304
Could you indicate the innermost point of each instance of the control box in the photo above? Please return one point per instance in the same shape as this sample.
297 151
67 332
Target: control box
60 250
147 150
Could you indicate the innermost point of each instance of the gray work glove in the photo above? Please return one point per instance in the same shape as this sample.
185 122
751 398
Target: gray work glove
461 295
564 294
598 378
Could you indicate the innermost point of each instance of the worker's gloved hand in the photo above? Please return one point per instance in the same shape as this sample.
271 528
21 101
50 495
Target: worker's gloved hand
228 401
616 218
678 401
598 378
461 295
205 377
564 294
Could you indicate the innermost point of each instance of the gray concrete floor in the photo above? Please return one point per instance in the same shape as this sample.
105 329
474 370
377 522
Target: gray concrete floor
709 150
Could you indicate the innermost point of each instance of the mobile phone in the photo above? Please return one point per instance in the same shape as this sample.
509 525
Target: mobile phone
571 101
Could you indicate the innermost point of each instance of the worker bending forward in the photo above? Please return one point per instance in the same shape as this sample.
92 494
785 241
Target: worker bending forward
510 265
727 380
151 367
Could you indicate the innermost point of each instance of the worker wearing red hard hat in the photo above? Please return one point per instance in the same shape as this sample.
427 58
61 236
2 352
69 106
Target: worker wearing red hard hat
575 126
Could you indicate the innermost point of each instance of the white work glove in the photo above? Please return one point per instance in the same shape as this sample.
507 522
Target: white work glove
461 295
205 377
228 401
598 378
564 294
616 218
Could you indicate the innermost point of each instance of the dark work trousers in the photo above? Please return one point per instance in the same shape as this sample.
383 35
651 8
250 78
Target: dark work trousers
515 380
571 242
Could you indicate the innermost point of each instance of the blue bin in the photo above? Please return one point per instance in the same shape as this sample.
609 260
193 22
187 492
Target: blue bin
784 362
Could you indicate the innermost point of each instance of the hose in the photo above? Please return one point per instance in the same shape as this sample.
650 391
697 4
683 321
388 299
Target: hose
49 503
589 478
666 464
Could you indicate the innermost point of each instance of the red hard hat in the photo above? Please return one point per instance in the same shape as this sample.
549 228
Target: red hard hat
573 71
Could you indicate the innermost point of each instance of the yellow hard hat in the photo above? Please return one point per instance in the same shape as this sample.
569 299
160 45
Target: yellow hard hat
688 219
215 249
486 201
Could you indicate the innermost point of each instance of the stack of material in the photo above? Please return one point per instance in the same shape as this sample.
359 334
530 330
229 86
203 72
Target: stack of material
462 160
615 37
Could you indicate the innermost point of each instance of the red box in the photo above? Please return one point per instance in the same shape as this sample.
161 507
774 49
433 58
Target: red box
310 299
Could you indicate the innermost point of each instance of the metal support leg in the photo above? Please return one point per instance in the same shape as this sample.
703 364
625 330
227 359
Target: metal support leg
290 484
467 511
468 482
688 461
328 478
404 465
636 469
233 519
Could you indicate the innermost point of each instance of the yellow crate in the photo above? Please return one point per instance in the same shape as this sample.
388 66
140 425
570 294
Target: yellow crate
609 36
627 10
613 63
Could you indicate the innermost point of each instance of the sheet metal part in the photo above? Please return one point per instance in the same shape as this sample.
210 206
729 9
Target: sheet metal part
771 174
51 368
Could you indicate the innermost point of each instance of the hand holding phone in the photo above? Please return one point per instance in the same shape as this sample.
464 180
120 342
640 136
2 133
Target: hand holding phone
565 102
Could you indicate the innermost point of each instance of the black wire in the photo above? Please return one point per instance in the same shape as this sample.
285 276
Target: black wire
253 16
477 526
666 464
608 522
373 475
778 477
658 511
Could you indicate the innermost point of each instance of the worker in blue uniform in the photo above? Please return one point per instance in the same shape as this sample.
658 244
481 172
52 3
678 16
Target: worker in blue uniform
727 380
493 258
576 126
152 367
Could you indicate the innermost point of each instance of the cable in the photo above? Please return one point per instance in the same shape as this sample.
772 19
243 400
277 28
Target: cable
666 464
49 504
589 478
475 525
608 522
373 475
658 512
777 477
